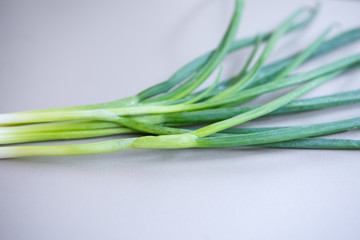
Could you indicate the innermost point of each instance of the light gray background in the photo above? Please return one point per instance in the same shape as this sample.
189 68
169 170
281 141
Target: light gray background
62 53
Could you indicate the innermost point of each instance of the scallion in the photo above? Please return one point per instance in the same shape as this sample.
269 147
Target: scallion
157 113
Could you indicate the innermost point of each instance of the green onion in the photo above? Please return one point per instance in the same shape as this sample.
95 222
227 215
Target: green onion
62 135
90 129
328 144
109 114
190 141
157 112
218 114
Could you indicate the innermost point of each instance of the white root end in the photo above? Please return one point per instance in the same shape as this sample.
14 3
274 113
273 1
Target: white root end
12 118
7 152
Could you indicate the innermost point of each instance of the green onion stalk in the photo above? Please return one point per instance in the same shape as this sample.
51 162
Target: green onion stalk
282 138
86 129
157 113
112 114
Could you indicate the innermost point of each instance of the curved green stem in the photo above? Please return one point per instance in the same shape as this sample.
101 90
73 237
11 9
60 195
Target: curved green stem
187 70
241 82
204 72
208 90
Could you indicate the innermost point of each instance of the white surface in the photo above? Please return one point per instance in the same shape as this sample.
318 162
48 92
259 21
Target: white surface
61 53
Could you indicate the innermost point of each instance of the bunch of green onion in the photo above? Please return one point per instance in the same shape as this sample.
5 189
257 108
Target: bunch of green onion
158 114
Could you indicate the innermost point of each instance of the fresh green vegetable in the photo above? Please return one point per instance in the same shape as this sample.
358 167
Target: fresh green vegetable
161 109
114 113
188 118
190 141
